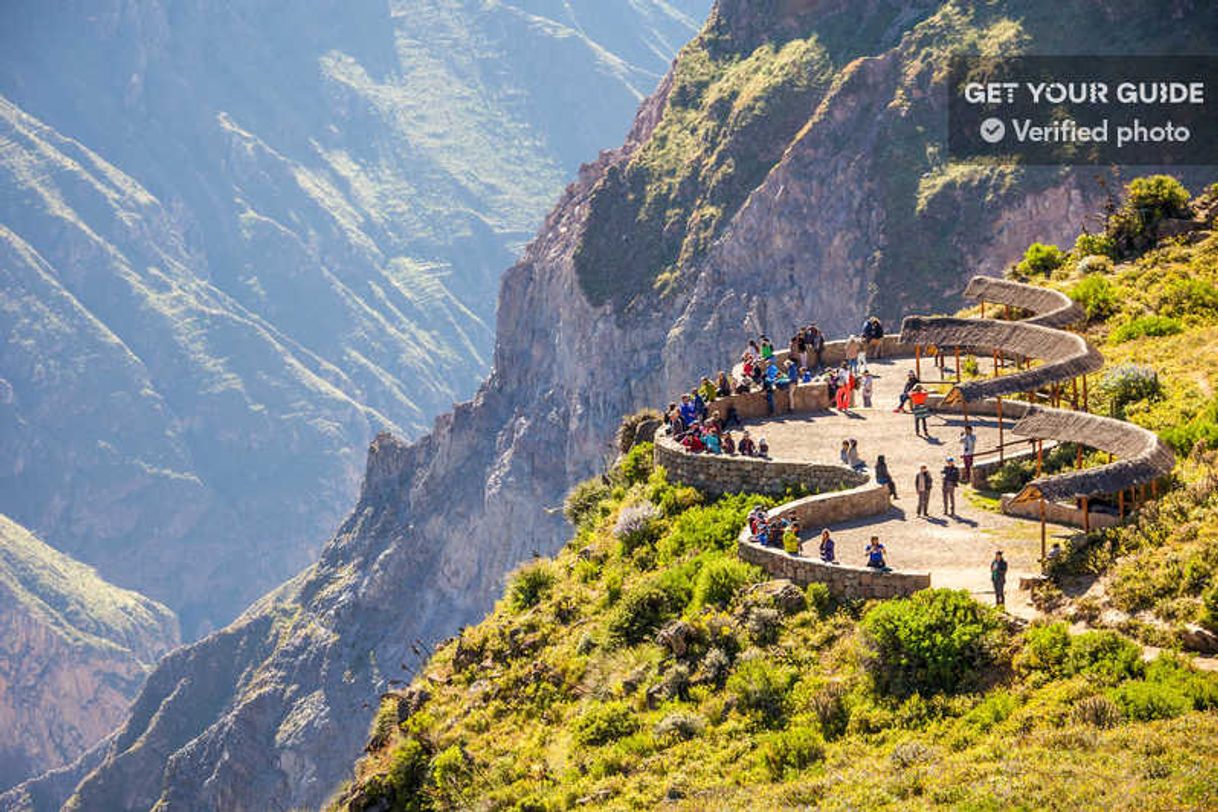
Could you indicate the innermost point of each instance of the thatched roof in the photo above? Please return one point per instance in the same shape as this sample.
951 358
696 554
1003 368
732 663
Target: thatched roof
1065 355
1142 456
1052 308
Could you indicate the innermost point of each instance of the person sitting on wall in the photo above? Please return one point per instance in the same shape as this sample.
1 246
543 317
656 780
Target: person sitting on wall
875 555
693 441
852 456
816 346
747 447
728 444
689 411
711 440
805 375
790 538
707 390
723 385
756 518
767 348
827 547
763 449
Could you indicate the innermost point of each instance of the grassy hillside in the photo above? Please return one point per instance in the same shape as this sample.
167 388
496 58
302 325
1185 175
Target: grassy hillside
646 666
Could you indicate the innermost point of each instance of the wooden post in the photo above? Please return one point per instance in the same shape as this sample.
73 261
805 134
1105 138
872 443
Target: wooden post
1074 393
995 363
918 360
1001 449
1154 488
1086 515
1085 409
1040 456
1078 457
957 363
983 308
1007 312
1043 534
1121 504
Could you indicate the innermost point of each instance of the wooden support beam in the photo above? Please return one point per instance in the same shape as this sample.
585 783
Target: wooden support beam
1040 456
1001 448
996 363
957 363
983 308
1085 408
1121 504
918 360
1074 393
1044 553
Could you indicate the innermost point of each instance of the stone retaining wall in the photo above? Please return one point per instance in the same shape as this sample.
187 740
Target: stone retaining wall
1057 513
804 397
843 581
718 474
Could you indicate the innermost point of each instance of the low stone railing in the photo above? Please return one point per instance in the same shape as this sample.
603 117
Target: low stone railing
718 474
844 581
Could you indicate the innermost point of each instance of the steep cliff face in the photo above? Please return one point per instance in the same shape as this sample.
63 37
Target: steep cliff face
854 209
75 653
240 241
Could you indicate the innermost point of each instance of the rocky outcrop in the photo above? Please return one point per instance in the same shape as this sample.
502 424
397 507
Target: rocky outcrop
76 650
858 211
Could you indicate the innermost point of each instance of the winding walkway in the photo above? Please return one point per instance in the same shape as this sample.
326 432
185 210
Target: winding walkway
805 437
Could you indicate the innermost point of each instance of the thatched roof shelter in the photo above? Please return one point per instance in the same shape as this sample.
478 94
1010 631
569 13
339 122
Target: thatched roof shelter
1065 355
1052 308
1142 456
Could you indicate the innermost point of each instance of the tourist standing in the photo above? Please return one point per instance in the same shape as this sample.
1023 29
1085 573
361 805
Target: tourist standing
968 447
921 411
866 389
827 547
923 482
951 478
998 576
883 477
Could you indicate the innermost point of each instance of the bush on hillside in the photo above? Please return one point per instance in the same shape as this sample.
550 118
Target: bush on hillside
628 431
1148 201
604 723
1155 326
637 525
1097 296
530 583
763 688
938 641
1144 701
641 611
786 752
1187 297
721 579
1128 383
1094 245
1040 260
583 503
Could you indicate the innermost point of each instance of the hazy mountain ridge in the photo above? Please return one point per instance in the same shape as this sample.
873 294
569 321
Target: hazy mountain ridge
440 521
287 223
75 654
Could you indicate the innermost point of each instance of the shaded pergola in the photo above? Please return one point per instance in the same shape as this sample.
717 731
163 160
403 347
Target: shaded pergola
1045 357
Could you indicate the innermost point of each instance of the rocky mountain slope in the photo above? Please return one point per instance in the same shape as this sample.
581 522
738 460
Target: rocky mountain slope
852 207
75 653
239 242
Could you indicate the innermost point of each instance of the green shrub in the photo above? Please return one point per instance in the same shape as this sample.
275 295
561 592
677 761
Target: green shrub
1148 201
1129 383
1201 687
402 785
786 752
604 723
636 526
636 465
1156 326
1097 711
1097 295
680 726
720 579
1046 648
1040 260
993 710
937 641
1188 296
450 776
1010 477
820 599
708 527
641 611
1090 245
1209 608
530 583
1143 701
582 505
1105 655
763 688
1203 427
